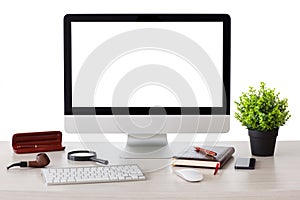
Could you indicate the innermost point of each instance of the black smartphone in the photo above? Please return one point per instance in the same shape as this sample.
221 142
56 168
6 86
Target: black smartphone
245 163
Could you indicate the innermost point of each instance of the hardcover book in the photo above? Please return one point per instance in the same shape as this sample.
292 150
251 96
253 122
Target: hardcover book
193 158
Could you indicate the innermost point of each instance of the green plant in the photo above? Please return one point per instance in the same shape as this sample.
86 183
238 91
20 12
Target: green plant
262 109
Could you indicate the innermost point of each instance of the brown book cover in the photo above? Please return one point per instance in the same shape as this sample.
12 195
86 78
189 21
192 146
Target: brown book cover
192 158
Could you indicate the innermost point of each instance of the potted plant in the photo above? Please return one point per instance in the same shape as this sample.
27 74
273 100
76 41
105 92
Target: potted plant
262 112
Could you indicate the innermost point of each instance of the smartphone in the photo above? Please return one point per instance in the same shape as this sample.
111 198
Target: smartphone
245 163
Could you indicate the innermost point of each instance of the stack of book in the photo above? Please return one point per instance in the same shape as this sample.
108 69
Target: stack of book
193 158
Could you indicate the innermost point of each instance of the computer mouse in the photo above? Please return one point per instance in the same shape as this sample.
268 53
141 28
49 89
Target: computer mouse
191 175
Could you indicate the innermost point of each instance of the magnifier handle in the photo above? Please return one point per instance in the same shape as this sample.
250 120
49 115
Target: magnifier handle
104 162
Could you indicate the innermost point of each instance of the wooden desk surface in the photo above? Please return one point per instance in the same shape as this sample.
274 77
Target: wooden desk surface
274 178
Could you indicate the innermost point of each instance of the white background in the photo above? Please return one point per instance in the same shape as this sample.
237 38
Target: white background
265 47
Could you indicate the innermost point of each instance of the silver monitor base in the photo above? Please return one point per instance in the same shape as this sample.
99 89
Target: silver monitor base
147 147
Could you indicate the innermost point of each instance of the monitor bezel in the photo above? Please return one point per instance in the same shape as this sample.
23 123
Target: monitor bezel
69 110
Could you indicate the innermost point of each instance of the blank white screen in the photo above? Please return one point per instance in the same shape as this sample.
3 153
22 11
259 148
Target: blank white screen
87 36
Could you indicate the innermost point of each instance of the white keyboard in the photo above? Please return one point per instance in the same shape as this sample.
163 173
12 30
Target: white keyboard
93 174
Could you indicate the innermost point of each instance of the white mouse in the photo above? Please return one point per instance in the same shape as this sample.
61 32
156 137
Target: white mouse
191 175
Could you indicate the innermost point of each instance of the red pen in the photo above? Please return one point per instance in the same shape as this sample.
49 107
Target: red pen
217 168
205 151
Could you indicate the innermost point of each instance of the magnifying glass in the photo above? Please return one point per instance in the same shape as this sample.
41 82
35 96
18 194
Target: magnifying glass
85 155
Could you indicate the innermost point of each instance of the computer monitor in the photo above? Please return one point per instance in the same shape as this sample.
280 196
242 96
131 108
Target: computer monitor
147 75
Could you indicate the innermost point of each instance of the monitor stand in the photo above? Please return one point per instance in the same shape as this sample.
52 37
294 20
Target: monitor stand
147 147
